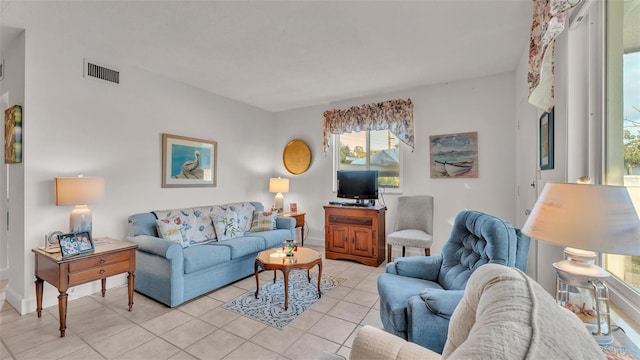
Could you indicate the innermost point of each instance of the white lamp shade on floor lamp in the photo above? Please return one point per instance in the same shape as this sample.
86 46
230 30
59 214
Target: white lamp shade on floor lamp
279 186
79 191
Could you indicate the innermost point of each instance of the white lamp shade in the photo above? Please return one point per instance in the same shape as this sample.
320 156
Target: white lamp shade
78 190
599 218
278 185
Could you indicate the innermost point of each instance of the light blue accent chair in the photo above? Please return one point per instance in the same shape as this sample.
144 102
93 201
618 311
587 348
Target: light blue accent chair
419 293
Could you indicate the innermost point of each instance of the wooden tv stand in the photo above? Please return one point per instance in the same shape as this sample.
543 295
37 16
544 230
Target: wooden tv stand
355 233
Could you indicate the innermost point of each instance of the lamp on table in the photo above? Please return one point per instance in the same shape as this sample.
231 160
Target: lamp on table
279 186
586 219
79 191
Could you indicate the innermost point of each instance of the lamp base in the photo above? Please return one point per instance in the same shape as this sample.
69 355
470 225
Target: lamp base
80 219
279 203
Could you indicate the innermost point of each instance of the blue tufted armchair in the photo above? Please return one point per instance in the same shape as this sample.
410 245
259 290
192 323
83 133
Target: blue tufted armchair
419 293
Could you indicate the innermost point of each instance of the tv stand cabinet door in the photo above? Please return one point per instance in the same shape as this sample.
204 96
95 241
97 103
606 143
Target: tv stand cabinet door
338 239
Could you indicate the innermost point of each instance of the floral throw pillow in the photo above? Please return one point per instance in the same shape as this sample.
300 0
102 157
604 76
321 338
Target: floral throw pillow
172 229
263 221
227 225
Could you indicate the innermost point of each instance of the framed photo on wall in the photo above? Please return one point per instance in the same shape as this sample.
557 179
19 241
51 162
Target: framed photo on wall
546 140
188 162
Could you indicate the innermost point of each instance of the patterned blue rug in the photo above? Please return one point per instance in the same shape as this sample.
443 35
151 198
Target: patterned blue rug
269 306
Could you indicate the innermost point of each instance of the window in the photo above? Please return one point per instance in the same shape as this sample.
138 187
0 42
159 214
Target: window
622 151
371 150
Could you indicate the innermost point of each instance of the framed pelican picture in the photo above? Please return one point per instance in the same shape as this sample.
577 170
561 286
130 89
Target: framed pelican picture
188 162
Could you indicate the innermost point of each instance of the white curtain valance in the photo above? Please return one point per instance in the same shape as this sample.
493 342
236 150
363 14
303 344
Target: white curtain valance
549 17
394 115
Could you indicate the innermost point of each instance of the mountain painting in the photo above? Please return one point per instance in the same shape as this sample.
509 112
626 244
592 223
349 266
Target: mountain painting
454 155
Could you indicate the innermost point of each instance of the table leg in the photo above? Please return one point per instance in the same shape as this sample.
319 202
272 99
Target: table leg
286 287
302 234
274 276
39 288
62 309
104 286
309 275
130 283
255 270
319 277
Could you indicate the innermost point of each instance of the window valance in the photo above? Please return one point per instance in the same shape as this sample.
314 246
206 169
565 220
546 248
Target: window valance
549 17
394 115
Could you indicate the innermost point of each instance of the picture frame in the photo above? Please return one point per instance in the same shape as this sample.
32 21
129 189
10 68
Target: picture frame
13 135
454 156
68 245
293 207
188 162
85 242
547 140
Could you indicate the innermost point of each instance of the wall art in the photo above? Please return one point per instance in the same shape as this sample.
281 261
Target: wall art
546 140
454 155
188 162
13 135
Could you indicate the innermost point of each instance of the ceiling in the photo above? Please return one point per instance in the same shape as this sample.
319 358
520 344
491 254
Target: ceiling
281 55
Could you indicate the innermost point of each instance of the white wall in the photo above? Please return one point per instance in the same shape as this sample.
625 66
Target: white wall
74 124
485 105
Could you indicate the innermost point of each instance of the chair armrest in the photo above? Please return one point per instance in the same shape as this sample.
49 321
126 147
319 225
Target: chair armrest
157 246
420 267
375 344
442 302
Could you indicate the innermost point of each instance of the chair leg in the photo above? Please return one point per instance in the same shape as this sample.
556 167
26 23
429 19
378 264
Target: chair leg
388 253
427 251
403 251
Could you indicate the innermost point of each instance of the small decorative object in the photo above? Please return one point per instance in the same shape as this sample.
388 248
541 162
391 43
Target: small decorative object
454 155
188 162
296 157
51 242
84 242
546 140
13 135
289 246
293 207
68 245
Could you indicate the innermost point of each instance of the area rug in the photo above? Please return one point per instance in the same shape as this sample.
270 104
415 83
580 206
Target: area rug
269 306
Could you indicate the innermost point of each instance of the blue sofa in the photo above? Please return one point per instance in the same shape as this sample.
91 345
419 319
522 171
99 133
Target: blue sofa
418 294
171 274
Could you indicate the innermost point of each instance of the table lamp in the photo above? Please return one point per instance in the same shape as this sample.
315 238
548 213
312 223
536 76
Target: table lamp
279 185
79 191
586 219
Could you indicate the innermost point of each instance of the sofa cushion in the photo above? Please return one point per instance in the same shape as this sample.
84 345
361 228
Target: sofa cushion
196 225
272 238
263 221
534 327
171 229
242 246
203 256
227 225
244 210
396 291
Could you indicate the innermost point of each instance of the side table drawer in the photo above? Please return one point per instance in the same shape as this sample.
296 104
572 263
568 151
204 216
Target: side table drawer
97 261
98 272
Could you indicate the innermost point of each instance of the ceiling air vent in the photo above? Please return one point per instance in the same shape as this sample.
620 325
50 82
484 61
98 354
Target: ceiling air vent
96 71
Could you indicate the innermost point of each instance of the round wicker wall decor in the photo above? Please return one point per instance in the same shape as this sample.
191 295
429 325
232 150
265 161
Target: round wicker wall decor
296 156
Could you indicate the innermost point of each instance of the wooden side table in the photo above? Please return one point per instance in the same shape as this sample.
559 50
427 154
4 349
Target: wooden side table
111 257
299 216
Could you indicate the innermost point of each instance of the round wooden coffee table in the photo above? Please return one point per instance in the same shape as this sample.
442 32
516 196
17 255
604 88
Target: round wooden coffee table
303 258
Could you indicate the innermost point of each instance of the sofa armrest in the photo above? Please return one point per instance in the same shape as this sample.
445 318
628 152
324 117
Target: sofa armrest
373 344
420 267
442 302
157 246
285 222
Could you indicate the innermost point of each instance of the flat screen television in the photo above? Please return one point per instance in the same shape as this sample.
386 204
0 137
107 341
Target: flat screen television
358 184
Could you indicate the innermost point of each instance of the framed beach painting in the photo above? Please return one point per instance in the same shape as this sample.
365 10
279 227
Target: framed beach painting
188 162
546 140
454 155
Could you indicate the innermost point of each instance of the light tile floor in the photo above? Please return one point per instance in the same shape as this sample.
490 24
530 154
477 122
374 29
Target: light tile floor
102 328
